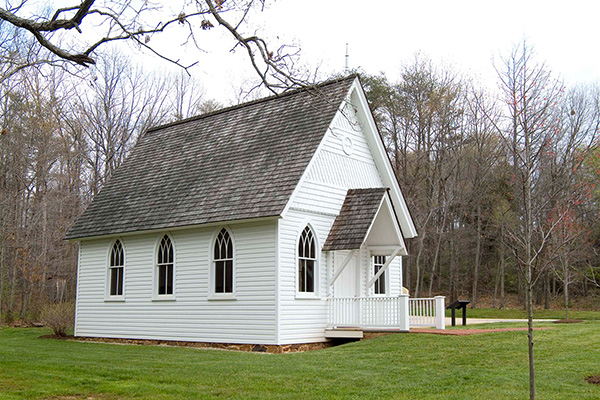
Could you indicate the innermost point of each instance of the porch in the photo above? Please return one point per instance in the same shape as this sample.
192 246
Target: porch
365 291
398 313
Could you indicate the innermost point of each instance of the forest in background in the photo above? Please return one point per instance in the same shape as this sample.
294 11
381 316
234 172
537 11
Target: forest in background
501 184
62 135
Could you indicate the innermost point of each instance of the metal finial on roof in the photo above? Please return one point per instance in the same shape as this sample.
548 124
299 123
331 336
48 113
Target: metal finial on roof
347 69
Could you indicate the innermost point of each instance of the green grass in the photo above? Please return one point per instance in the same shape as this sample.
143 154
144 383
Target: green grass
519 313
401 366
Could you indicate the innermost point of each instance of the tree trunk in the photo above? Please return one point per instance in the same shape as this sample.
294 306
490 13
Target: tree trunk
435 262
567 280
502 276
2 277
547 292
530 333
477 259
539 292
418 266
496 284
407 266
453 270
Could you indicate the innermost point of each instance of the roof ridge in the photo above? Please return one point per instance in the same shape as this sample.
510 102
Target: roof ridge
253 102
371 189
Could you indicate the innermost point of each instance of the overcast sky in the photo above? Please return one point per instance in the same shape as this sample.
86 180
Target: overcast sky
467 34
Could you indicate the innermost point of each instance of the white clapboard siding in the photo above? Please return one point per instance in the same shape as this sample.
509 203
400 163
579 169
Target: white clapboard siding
395 277
301 320
250 318
317 201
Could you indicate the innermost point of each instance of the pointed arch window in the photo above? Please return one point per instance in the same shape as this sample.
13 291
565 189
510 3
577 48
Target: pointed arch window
307 261
116 269
164 267
223 262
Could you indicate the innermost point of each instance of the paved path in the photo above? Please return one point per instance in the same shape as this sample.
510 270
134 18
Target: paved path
471 331
473 321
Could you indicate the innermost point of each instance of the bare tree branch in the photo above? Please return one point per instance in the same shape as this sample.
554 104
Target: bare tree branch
122 21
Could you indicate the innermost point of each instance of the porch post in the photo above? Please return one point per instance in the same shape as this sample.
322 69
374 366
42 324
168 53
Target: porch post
403 314
440 312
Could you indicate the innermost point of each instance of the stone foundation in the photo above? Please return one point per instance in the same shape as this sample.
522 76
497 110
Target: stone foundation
260 348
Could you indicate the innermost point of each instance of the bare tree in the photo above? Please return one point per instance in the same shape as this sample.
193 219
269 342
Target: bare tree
33 198
533 98
420 119
572 144
75 34
482 151
531 95
188 98
119 103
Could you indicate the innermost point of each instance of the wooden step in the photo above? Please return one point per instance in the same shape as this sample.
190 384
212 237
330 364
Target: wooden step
344 333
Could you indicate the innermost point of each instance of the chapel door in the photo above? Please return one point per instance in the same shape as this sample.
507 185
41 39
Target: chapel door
347 284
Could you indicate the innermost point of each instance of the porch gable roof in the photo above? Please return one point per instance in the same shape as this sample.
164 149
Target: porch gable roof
359 212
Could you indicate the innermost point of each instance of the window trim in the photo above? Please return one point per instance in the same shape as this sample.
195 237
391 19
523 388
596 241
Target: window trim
386 283
212 293
114 297
317 263
155 267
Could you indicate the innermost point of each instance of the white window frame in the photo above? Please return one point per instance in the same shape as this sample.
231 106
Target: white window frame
385 275
107 294
316 266
213 294
156 266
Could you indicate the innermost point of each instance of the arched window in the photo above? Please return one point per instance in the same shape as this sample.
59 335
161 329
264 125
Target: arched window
223 262
116 269
307 261
164 267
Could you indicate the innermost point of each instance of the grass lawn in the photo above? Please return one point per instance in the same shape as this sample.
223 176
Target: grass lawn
400 366
511 313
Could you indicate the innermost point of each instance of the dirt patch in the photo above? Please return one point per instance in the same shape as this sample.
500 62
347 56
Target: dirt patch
567 321
594 379
465 332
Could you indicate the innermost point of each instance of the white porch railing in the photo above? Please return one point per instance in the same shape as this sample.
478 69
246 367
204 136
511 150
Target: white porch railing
386 312
427 312
369 312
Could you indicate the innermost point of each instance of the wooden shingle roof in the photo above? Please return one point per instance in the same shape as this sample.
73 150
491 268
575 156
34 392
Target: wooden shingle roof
238 163
351 226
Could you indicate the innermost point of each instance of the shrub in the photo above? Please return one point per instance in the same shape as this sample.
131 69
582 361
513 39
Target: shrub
59 317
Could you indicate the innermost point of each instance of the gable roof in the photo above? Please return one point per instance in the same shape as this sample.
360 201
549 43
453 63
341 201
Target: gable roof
252 157
382 159
350 228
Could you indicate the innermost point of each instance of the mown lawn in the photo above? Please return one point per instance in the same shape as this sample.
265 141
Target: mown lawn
509 313
400 366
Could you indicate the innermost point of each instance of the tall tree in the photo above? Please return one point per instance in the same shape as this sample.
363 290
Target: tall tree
419 118
120 102
482 151
532 98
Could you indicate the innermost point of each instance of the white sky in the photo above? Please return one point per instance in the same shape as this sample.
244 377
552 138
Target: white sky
467 34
